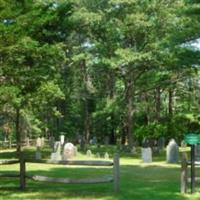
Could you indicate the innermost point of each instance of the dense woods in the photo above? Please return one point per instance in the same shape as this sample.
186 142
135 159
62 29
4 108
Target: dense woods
118 69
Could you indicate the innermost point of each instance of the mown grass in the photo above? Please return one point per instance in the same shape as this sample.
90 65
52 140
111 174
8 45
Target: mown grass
155 181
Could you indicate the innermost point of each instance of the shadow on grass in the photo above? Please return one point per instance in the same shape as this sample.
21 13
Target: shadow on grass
137 182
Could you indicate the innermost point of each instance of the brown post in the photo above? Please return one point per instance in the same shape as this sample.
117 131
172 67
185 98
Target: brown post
116 172
184 175
22 172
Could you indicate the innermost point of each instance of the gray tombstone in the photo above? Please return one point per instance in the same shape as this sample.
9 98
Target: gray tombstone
68 151
56 155
89 153
197 152
106 156
172 152
38 154
147 155
98 155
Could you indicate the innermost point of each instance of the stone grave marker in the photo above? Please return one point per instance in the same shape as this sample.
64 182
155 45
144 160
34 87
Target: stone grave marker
147 155
106 156
62 139
56 155
38 154
98 155
68 151
89 153
172 152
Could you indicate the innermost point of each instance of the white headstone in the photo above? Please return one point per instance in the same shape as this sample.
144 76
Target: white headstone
98 155
89 153
147 155
69 151
62 139
56 155
106 156
172 152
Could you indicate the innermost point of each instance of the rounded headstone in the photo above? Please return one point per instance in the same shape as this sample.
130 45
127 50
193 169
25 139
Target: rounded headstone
172 152
68 151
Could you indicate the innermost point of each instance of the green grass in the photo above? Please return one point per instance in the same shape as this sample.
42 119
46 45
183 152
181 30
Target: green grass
156 181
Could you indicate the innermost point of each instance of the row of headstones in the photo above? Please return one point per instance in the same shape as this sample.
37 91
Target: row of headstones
172 153
89 154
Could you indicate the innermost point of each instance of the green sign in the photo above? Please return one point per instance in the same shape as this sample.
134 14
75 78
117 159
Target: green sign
192 138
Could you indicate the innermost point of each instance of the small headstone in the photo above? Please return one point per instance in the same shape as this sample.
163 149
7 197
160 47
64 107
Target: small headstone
38 142
147 155
98 155
38 154
89 153
68 151
62 139
106 156
172 152
197 152
56 155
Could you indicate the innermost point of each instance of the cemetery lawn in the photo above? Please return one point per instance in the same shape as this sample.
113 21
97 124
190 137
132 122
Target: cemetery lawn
156 181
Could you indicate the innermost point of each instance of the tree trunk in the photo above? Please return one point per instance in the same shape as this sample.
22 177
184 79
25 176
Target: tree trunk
86 122
158 104
86 106
170 103
130 111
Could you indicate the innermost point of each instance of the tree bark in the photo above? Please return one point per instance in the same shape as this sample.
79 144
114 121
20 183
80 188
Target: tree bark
170 102
86 106
158 104
130 111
